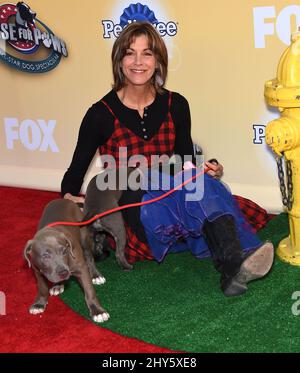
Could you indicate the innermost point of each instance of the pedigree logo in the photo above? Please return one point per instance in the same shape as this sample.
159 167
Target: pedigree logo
268 22
259 134
24 39
137 12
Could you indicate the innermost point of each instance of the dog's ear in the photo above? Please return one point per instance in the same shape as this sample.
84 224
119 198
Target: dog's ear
70 247
19 3
27 250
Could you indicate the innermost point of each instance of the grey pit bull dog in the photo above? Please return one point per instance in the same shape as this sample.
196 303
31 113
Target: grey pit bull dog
58 252
98 201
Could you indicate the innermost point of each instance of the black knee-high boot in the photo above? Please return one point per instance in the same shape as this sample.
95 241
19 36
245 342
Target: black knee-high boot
223 242
236 268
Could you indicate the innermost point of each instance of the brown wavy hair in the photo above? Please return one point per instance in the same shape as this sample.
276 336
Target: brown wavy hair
156 45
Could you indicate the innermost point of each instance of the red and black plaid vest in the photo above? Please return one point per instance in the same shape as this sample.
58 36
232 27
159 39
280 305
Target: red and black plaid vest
161 143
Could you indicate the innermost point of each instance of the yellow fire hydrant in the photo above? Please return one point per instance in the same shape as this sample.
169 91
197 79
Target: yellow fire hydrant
283 136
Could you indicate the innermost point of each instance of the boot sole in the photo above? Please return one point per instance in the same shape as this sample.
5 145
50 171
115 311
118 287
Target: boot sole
255 266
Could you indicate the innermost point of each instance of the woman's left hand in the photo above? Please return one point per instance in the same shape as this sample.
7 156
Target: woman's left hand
215 169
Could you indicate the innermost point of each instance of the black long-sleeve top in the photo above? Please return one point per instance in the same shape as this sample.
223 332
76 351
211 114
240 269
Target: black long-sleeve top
98 126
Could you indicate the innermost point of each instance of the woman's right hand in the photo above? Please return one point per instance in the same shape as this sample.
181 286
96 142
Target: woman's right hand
75 199
215 169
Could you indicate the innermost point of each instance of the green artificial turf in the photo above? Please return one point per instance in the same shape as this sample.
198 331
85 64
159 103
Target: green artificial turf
178 304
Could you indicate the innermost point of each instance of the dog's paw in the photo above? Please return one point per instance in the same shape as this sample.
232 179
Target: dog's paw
101 317
99 280
57 289
37 308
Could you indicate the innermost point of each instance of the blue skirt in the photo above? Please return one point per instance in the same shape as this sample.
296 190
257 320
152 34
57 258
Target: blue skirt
175 223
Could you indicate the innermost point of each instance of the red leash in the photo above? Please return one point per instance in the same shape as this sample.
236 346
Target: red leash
126 206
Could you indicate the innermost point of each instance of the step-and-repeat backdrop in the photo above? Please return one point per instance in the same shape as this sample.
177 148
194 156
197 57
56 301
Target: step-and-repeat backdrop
55 63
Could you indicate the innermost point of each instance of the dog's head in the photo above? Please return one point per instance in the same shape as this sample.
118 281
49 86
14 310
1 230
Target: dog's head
49 252
25 13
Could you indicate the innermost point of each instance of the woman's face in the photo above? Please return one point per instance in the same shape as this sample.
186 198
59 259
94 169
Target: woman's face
139 62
